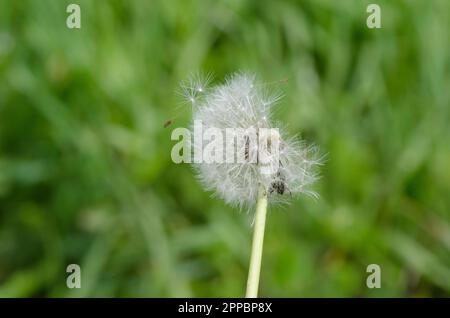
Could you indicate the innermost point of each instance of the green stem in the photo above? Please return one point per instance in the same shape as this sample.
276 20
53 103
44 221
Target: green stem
257 246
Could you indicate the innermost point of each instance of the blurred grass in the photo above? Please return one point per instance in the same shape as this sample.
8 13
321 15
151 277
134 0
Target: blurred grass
85 169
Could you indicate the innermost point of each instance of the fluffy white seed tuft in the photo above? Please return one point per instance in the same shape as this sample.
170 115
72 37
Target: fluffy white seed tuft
242 103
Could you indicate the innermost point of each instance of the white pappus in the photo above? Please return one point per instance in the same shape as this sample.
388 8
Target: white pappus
244 104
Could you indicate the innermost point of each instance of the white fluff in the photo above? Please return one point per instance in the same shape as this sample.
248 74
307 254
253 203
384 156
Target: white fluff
242 103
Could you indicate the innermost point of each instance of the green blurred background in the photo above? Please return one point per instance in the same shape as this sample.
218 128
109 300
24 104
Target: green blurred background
85 169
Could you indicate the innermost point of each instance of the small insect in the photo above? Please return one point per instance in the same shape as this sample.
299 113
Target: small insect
247 147
168 123
279 185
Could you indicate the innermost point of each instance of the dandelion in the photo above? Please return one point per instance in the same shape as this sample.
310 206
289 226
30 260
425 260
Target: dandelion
274 168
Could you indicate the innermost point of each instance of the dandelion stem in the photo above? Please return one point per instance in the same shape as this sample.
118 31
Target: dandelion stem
257 246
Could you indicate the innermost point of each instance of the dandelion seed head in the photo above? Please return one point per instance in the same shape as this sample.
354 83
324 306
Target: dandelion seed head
244 104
